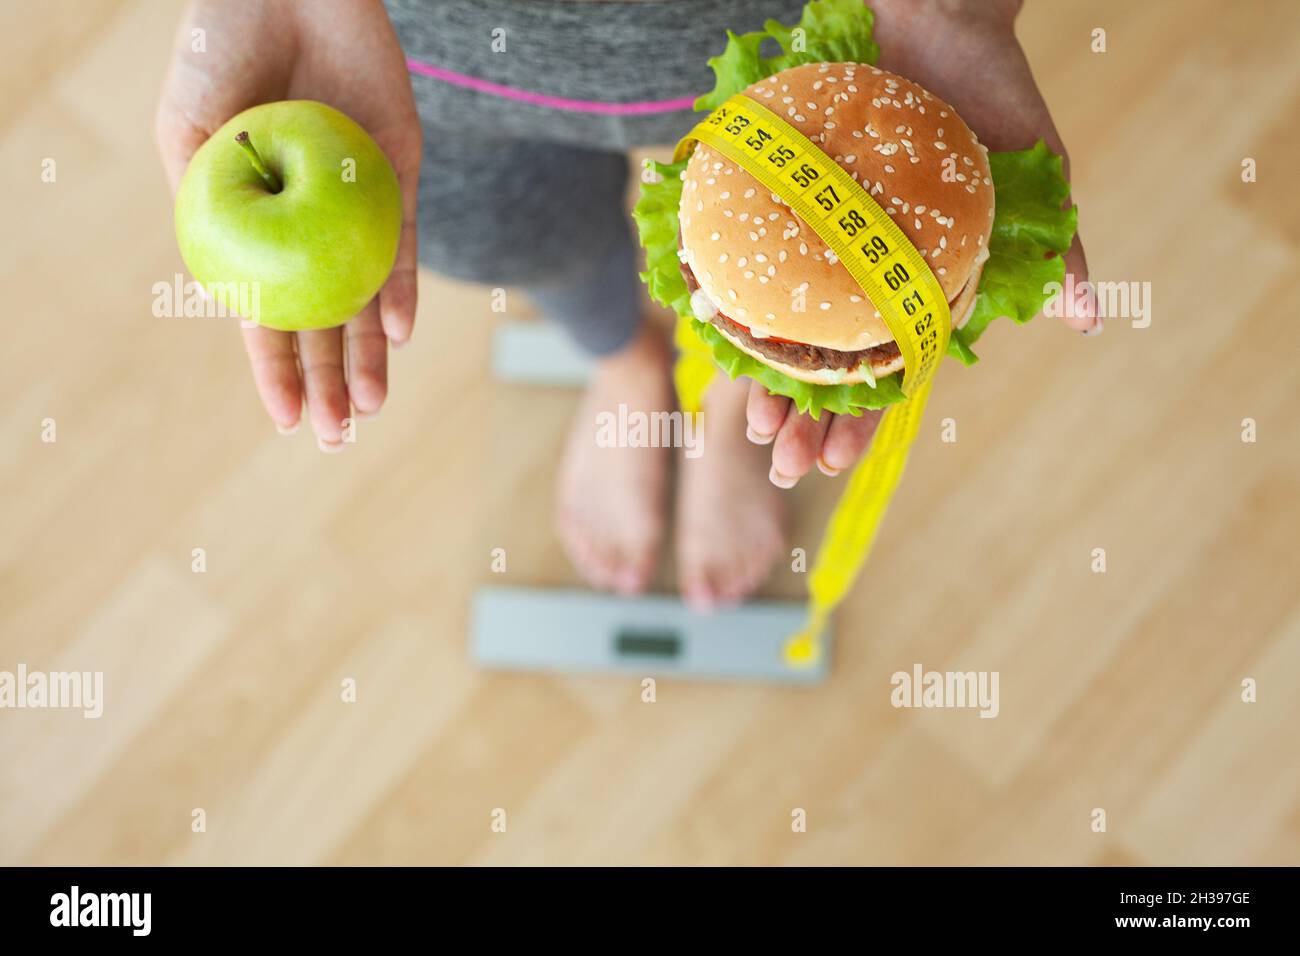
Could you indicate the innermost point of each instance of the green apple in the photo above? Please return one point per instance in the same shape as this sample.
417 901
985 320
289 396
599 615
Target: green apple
293 208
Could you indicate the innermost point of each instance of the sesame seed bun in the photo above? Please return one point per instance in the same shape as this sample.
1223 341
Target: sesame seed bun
763 268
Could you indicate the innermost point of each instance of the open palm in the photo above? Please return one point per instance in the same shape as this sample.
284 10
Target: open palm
966 53
229 57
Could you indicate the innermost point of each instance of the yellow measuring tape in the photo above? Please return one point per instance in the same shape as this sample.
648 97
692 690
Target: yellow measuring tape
899 284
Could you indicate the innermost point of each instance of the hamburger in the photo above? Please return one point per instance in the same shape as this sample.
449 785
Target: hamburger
767 282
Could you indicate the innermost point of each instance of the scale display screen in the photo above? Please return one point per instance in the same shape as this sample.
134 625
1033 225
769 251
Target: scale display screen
520 628
641 642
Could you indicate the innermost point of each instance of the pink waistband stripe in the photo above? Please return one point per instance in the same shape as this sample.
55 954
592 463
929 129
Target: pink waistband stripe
550 102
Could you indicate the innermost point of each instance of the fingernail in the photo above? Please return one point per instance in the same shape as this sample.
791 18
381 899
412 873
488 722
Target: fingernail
826 469
288 430
1096 329
756 438
780 480
399 343
627 581
365 416
699 600
329 447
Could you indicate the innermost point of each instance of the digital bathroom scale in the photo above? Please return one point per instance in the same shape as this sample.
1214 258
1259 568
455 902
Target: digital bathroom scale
657 636
537 352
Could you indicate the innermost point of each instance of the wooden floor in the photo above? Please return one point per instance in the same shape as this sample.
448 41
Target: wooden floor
1119 691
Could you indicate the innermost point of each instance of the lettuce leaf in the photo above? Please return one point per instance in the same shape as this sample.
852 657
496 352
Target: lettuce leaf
1030 233
810 399
655 215
833 31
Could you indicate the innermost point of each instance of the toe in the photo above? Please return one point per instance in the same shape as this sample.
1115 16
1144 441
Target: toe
580 548
632 573
695 585
604 566
699 596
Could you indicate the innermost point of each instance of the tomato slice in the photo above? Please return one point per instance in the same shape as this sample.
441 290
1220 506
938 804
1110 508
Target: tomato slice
770 338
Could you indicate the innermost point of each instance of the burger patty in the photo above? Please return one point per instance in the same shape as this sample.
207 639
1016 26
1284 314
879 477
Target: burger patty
797 354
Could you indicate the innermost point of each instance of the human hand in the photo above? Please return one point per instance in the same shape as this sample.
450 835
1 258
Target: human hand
965 52
342 53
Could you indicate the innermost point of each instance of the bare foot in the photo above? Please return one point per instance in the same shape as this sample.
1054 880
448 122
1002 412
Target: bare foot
729 515
610 507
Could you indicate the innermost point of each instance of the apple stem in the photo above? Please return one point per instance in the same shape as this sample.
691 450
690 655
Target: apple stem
255 158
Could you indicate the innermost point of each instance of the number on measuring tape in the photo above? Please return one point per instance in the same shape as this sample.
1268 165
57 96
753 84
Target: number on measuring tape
827 198
852 223
874 248
895 277
805 175
780 156
737 124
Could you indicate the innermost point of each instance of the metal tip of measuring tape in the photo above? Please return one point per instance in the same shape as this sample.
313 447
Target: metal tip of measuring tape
803 650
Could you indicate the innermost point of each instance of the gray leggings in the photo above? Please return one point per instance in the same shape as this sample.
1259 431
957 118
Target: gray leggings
521 192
